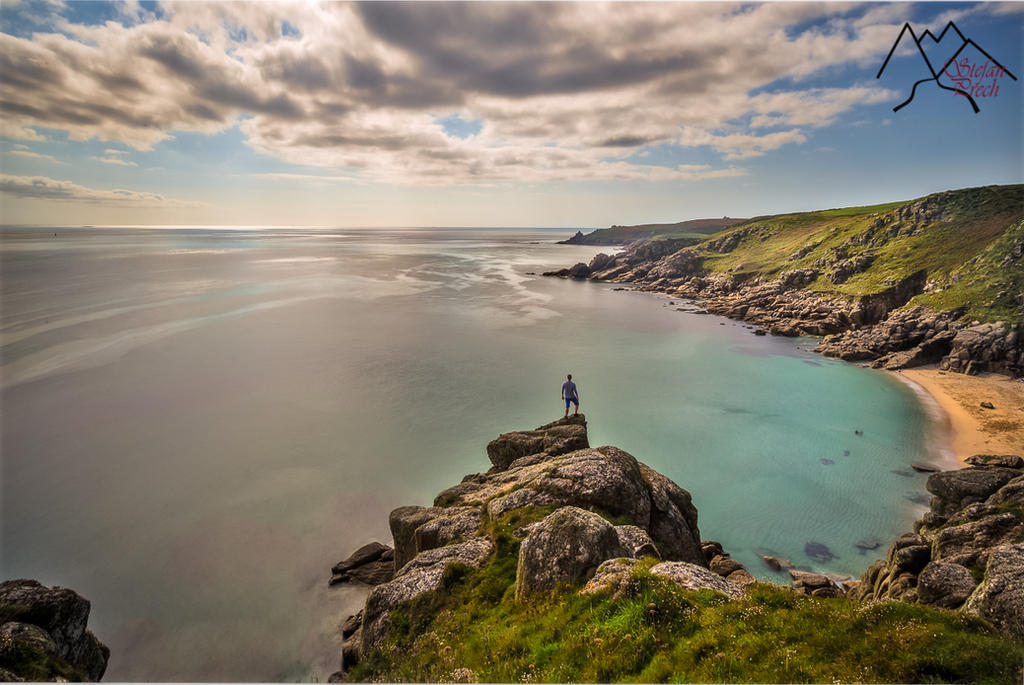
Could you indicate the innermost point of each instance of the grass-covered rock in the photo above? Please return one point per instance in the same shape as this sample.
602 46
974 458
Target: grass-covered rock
648 629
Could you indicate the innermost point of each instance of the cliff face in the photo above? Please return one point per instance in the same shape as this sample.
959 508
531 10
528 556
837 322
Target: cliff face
935 280
43 635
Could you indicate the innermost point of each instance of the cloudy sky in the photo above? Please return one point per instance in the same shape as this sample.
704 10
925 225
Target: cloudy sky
487 113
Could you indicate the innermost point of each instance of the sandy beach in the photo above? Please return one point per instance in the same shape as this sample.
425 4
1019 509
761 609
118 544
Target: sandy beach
974 429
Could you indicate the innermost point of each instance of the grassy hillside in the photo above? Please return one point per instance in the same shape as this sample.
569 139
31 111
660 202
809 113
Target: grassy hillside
473 630
696 229
963 239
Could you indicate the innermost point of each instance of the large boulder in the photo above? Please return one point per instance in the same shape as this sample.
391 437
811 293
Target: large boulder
945 585
421 574
558 437
636 543
417 529
566 548
372 564
966 543
999 598
52 619
693 577
956 489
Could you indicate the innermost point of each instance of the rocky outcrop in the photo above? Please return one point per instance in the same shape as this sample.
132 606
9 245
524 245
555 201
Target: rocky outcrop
553 439
553 467
44 634
577 239
615 577
999 596
966 553
371 564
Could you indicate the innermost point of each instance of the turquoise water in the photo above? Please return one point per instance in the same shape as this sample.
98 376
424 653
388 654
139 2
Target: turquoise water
197 424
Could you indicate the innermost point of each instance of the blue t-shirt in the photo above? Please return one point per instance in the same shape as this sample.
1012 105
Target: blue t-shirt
569 390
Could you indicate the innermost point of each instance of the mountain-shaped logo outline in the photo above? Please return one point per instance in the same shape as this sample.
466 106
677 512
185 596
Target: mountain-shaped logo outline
935 76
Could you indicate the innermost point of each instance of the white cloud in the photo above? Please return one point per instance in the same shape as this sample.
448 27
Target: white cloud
555 86
115 160
111 151
24 152
42 187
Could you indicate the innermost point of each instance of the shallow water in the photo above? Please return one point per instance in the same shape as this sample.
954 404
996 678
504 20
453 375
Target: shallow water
197 423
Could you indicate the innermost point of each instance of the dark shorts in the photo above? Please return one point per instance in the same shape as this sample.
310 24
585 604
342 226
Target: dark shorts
574 400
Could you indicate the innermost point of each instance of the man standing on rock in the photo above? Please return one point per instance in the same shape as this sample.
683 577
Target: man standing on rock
570 394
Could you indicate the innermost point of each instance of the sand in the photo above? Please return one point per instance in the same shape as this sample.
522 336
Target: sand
974 429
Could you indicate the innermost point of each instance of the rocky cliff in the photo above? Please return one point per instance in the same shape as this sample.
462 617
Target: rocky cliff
936 280
599 504
43 636
554 516
967 553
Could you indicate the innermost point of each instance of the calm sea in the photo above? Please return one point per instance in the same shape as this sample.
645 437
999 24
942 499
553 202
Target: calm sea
196 424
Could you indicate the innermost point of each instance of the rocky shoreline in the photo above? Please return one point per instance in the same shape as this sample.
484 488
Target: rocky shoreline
43 635
877 328
599 514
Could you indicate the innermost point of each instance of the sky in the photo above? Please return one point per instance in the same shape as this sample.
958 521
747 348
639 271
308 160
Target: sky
491 113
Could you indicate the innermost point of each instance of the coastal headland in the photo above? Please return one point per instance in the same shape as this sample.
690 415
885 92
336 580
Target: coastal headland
566 563
936 280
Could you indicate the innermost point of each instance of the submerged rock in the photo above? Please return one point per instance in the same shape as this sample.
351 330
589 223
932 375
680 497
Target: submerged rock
819 552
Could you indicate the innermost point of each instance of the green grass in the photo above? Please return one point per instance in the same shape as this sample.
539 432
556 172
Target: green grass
962 252
855 211
474 629
696 230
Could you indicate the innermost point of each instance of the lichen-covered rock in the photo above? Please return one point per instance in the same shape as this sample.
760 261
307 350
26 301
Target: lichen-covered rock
61 615
558 437
611 577
673 518
566 548
403 522
451 524
692 577
944 585
956 489
417 529
999 597
29 635
421 574
636 543
977 537
975 512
